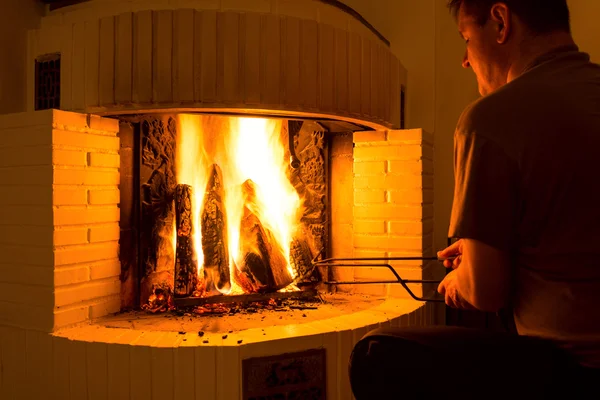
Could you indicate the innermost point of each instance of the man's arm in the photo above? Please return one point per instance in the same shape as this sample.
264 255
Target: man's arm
483 279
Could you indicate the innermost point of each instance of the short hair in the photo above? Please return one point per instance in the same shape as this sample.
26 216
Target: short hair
541 16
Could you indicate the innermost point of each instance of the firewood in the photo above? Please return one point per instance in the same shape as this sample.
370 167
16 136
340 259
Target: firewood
262 261
214 234
186 265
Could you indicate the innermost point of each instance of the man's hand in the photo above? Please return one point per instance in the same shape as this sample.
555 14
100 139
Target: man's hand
454 250
483 280
449 289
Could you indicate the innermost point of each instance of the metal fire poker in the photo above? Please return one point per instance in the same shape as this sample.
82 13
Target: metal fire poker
379 262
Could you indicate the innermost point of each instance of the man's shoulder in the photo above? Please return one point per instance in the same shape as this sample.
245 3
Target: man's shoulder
505 109
483 113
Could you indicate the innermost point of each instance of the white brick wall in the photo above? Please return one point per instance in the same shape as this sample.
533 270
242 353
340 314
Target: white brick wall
86 217
392 210
26 234
59 232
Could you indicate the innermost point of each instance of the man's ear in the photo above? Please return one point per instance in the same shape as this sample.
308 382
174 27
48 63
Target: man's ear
500 15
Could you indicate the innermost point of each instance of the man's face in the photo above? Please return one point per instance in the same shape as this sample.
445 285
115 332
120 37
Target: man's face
483 54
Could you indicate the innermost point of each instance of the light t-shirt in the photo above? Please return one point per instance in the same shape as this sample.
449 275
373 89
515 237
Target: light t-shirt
527 171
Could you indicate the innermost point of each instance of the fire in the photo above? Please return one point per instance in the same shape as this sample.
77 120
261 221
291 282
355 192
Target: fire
248 153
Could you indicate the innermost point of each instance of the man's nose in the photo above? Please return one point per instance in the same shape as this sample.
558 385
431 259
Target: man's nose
465 61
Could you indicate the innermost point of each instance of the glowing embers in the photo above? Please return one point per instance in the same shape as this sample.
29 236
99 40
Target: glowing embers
237 212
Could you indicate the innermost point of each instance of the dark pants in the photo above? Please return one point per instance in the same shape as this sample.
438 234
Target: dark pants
461 363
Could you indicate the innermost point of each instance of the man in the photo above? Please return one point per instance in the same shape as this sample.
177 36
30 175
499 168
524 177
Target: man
526 210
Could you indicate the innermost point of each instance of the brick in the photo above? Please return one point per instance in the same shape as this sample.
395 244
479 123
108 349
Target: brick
383 153
26 275
79 216
104 124
66 237
105 269
70 316
410 228
84 140
369 196
71 275
385 242
68 120
86 291
369 136
67 176
370 168
362 226
394 212
409 167
85 253
69 197
105 233
69 157
104 160
40 175
26 195
410 197
106 306
393 182
413 136
100 197
23 156
26 235
26 215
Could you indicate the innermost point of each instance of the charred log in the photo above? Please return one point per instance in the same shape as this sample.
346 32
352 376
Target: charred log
186 265
262 266
214 234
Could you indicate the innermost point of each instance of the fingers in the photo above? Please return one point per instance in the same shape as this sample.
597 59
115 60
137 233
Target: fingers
442 287
452 250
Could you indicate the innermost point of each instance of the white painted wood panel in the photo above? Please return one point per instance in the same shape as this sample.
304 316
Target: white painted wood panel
209 58
106 73
183 56
92 54
142 57
271 77
124 59
162 57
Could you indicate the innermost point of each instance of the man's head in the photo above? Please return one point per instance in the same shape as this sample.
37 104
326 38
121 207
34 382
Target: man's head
496 30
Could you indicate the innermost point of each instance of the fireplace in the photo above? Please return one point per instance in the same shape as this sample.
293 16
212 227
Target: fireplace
96 201
221 205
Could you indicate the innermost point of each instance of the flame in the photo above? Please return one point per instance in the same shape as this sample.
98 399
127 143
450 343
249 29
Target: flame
190 164
244 148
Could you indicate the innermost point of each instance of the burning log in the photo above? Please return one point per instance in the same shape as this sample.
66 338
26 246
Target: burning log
214 234
186 266
262 264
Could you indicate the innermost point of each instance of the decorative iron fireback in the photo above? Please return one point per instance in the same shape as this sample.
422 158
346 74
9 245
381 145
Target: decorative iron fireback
158 182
